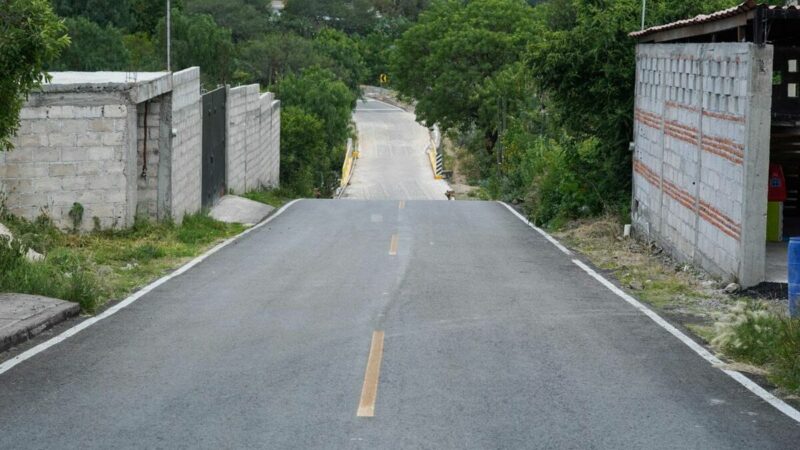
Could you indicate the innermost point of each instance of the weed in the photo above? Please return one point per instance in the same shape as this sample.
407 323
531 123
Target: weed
274 197
93 268
748 332
76 214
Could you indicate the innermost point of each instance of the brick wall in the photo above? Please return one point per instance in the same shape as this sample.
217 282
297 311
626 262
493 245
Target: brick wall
66 154
702 152
187 145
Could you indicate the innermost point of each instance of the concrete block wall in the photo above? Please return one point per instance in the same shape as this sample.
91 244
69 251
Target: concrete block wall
153 119
253 139
67 153
702 151
274 145
236 160
186 143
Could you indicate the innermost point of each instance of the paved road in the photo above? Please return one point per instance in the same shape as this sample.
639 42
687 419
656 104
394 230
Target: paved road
493 339
393 163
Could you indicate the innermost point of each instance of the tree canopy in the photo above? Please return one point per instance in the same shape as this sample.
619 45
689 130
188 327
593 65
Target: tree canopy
450 59
30 36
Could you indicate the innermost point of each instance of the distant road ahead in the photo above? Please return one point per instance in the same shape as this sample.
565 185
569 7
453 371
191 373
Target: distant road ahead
393 164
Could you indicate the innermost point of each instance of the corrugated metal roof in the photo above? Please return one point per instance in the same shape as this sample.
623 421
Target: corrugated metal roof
743 8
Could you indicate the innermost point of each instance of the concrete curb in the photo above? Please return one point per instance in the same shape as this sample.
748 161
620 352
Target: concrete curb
46 313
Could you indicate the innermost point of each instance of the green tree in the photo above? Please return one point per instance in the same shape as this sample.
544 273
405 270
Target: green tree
319 92
584 62
377 46
306 161
401 8
30 36
450 59
93 47
246 19
198 41
267 59
144 55
344 55
116 13
350 16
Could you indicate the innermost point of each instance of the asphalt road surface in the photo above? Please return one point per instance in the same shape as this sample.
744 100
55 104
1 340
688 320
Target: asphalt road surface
393 163
492 338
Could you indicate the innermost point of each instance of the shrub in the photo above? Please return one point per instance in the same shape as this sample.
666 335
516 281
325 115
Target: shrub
753 334
749 333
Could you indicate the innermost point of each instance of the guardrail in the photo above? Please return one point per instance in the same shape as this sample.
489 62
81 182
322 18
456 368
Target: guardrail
347 167
435 156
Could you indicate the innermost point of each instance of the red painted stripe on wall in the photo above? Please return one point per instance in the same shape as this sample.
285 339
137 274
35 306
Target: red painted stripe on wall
702 208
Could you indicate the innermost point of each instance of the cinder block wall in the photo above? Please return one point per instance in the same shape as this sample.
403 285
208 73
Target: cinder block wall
236 150
152 173
274 148
187 145
702 153
71 150
253 139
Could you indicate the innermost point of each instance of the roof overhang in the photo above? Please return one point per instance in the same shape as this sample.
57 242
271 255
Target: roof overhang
724 20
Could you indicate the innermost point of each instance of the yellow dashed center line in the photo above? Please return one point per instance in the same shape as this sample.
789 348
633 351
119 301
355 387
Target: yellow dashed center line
393 245
402 204
369 392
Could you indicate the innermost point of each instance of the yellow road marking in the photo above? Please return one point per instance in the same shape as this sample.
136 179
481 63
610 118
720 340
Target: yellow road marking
369 392
393 246
402 204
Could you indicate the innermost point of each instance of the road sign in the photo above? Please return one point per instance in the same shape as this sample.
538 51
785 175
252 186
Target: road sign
384 79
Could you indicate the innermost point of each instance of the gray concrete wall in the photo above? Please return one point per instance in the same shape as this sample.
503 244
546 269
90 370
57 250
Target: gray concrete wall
70 151
85 143
702 153
253 139
274 149
186 144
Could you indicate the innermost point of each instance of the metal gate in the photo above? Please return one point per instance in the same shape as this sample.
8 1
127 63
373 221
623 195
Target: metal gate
213 146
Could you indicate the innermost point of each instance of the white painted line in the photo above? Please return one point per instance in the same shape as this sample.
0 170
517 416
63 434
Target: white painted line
697 348
552 240
7 365
752 386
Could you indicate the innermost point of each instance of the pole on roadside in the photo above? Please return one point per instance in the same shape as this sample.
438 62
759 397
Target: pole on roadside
169 37
644 11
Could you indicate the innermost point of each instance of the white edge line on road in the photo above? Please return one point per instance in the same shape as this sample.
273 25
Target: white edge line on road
752 386
538 230
7 365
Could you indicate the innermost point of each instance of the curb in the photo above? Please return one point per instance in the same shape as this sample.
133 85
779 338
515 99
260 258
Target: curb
35 324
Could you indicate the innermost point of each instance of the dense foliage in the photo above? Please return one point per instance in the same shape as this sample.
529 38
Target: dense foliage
541 93
30 36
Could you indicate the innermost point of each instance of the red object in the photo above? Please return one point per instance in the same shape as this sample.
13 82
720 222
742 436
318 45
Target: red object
777 184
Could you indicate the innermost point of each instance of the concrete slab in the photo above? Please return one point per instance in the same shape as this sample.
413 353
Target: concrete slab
140 86
23 316
777 263
234 209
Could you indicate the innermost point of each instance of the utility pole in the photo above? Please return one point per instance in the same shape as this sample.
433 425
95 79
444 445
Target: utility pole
169 37
644 11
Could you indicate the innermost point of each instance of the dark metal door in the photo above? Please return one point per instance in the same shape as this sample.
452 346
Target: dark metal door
213 146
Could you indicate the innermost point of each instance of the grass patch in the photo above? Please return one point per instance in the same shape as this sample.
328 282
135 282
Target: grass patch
752 333
273 197
92 269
